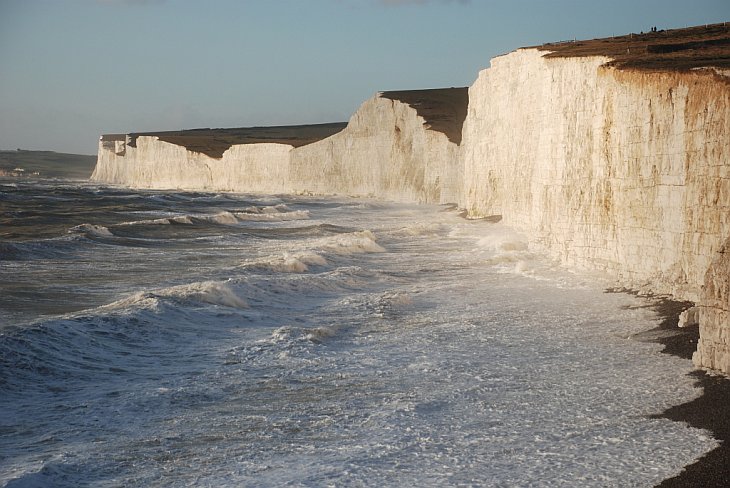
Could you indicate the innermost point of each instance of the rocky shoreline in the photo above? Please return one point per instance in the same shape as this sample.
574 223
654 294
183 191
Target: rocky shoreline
709 411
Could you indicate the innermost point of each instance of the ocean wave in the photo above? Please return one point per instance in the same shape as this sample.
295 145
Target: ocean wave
280 213
181 219
352 243
289 334
104 235
273 217
197 293
275 213
287 263
422 229
56 248
91 230
315 252
140 333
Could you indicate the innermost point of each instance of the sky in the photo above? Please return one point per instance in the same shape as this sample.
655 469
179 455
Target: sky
71 70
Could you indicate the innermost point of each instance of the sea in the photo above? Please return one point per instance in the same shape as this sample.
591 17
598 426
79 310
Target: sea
166 338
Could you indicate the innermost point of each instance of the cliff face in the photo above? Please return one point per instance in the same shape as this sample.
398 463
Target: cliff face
624 171
386 150
713 348
158 164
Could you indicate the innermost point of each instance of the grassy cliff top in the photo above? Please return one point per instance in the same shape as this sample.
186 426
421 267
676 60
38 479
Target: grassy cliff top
443 109
214 142
664 50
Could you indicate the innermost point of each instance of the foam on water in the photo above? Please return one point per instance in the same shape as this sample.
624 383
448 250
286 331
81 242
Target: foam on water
92 230
353 243
298 262
181 219
377 345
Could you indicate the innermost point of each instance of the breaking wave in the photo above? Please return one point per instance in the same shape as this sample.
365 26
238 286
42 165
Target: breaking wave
205 292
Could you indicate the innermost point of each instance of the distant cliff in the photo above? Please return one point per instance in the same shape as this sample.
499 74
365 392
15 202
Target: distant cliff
611 154
398 145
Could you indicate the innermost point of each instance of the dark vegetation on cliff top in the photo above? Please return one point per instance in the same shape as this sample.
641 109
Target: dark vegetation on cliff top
214 142
664 50
442 109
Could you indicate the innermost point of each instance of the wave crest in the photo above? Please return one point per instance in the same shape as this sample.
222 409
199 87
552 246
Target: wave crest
352 243
288 263
203 292
91 230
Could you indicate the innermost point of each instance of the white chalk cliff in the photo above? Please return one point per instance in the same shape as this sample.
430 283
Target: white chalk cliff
622 170
385 151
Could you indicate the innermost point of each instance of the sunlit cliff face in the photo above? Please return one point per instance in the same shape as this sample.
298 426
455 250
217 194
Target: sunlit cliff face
624 171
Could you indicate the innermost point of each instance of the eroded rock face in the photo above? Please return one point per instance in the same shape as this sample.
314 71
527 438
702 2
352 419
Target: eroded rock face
624 171
713 348
387 150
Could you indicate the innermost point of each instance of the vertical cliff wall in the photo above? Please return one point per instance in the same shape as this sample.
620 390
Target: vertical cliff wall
388 149
152 163
621 170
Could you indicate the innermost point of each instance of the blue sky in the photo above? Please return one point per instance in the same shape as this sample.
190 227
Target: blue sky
73 69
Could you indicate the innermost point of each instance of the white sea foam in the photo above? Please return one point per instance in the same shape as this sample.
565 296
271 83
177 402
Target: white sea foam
297 262
290 335
275 213
180 219
423 229
351 243
273 216
225 218
92 230
272 357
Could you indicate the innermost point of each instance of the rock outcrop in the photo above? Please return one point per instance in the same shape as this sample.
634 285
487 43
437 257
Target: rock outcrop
713 348
389 150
